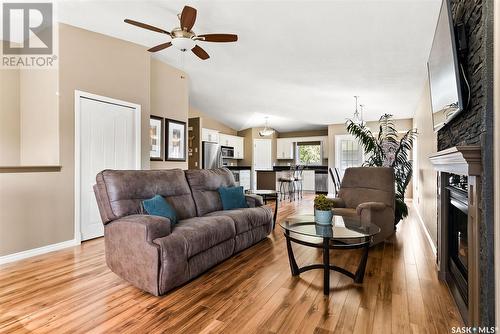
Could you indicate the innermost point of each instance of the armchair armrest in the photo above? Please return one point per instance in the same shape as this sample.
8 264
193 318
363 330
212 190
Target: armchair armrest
254 200
337 202
374 206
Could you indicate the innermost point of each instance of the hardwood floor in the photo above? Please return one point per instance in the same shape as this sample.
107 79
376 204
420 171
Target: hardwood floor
72 291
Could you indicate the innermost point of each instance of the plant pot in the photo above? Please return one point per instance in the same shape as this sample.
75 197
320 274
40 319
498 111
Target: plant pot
323 217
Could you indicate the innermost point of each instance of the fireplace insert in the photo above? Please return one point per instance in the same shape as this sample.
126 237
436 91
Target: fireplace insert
458 239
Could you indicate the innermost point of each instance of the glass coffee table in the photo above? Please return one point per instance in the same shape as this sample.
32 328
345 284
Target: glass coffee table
343 233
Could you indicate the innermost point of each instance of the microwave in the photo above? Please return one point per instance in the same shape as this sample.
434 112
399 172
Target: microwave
227 152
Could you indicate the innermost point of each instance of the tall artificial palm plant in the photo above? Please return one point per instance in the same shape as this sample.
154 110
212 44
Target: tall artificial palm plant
388 149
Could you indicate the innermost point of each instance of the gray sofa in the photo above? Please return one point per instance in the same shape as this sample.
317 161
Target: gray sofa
157 256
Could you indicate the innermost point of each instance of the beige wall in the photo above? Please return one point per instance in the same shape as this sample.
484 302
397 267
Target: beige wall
425 177
39 117
10 134
29 117
251 134
96 64
211 123
310 133
169 99
340 129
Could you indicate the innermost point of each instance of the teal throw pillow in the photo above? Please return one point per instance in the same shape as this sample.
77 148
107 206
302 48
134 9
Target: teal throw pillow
157 206
232 198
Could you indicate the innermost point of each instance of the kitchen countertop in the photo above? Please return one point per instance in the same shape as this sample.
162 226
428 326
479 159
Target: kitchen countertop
238 167
315 168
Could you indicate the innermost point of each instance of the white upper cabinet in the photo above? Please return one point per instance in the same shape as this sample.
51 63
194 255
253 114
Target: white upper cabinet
284 148
239 147
210 135
225 140
238 143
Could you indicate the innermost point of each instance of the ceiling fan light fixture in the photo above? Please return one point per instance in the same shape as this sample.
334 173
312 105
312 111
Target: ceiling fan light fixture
183 43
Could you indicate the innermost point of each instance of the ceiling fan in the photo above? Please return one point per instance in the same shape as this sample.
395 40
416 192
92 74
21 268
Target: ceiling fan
183 37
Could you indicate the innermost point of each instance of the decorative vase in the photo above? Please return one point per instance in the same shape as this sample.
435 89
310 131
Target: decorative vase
323 217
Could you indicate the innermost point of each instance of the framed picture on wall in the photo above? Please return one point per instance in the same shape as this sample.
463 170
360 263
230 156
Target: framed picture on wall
155 138
175 140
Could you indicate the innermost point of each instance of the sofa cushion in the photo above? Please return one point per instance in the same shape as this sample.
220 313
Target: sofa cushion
157 206
248 218
202 233
232 198
205 184
120 192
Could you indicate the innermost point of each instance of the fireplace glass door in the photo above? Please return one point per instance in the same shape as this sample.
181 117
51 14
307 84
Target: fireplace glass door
457 240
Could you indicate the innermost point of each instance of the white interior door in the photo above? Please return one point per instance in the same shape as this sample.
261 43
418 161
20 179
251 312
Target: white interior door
109 139
262 158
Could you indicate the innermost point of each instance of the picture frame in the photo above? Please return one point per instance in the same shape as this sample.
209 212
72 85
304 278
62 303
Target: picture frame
156 150
175 140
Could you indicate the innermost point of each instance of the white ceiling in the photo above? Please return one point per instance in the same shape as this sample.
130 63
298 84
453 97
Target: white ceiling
298 62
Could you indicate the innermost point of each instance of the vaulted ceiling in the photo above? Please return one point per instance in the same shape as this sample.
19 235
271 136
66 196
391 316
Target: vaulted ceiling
298 62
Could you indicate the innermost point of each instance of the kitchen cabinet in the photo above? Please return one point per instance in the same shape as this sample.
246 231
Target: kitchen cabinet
308 180
210 135
238 143
225 140
284 148
239 147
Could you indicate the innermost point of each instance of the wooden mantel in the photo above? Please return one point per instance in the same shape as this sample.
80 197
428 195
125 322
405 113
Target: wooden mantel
463 160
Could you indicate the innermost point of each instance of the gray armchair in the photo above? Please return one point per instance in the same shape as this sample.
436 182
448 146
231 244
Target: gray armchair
368 193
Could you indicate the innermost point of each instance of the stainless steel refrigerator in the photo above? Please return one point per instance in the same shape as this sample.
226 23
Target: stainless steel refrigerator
211 155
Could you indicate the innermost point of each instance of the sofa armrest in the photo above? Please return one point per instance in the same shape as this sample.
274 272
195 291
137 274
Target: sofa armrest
150 227
130 251
337 202
254 201
374 206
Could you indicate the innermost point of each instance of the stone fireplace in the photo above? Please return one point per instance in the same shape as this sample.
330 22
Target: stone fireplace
459 215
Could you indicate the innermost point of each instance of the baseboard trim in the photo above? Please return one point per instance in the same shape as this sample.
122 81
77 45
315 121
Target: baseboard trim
37 251
426 231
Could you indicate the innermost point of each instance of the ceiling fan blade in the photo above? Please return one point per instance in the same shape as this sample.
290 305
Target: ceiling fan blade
219 37
188 17
200 52
146 26
160 47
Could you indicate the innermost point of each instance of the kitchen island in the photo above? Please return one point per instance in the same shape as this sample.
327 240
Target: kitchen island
315 178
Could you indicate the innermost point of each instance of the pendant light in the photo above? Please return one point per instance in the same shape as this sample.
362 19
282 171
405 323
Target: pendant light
356 119
267 131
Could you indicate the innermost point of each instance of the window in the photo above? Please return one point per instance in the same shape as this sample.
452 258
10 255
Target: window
308 153
348 153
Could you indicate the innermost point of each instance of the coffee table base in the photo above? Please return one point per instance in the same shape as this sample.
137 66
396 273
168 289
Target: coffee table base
326 246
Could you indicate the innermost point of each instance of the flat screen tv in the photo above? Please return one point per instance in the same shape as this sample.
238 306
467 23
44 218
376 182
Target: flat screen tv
444 72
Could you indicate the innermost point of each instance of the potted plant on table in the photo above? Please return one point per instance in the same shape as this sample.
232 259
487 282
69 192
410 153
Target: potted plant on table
323 212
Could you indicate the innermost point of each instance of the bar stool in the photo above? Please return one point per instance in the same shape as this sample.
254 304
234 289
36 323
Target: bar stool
287 184
298 180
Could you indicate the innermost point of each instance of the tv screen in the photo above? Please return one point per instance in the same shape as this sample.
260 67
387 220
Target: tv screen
443 69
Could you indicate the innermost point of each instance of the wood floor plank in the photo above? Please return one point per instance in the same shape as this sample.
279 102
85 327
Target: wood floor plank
73 291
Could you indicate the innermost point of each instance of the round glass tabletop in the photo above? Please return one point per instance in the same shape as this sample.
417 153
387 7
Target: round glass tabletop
341 227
